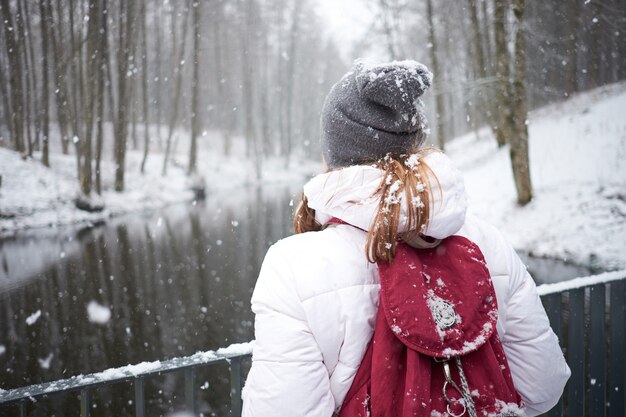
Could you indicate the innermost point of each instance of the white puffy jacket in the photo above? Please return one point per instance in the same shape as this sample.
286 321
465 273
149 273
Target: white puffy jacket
317 295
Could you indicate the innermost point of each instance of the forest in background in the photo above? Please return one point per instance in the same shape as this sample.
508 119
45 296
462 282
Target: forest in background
260 69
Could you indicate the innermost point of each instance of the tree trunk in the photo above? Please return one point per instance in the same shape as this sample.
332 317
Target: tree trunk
439 105
294 35
502 72
248 94
573 21
177 91
20 17
265 83
388 29
480 71
103 64
123 91
595 46
93 69
33 77
144 89
59 68
195 93
224 112
519 140
159 84
45 116
76 48
15 77
6 101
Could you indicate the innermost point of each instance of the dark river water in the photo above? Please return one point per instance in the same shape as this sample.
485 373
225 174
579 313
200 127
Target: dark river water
174 282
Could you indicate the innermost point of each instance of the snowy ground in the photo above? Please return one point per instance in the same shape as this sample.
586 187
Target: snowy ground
33 196
578 168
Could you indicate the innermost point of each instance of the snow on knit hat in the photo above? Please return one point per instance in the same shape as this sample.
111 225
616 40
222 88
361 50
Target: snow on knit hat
374 110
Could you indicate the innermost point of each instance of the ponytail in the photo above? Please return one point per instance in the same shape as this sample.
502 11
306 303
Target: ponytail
407 174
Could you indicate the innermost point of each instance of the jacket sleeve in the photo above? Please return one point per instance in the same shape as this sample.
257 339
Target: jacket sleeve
288 376
537 364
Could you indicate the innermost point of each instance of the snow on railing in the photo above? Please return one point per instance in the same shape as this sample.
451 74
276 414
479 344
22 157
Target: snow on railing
137 373
587 314
581 282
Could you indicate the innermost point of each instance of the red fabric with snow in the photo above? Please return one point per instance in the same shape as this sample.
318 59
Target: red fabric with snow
398 375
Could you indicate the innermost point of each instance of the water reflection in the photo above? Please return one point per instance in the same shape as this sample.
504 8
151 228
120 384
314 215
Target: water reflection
175 282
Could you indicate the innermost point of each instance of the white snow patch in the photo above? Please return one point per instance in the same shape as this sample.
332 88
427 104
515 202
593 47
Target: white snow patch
581 282
3 349
237 349
98 313
32 319
577 152
143 367
509 409
44 363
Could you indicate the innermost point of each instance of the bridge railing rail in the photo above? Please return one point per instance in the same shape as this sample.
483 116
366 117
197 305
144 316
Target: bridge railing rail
587 314
137 374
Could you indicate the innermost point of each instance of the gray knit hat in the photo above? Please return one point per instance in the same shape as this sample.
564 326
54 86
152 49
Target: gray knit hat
374 110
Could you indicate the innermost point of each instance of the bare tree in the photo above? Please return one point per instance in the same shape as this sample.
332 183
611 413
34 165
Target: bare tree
178 73
93 68
224 111
441 135
59 70
125 47
294 34
6 103
502 61
103 65
15 76
27 81
45 117
144 85
573 22
389 28
480 67
195 90
248 84
519 138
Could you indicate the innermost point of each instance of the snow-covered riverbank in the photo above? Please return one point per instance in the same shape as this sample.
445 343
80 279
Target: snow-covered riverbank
33 196
578 169
578 154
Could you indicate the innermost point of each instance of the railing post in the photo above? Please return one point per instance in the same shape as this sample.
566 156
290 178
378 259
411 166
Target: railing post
616 359
190 392
23 409
85 402
553 306
576 353
140 397
597 347
235 387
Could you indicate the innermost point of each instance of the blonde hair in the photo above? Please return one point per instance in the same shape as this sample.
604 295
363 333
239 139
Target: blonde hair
407 174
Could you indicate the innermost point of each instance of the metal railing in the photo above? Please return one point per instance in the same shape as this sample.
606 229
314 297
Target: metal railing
587 314
138 374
